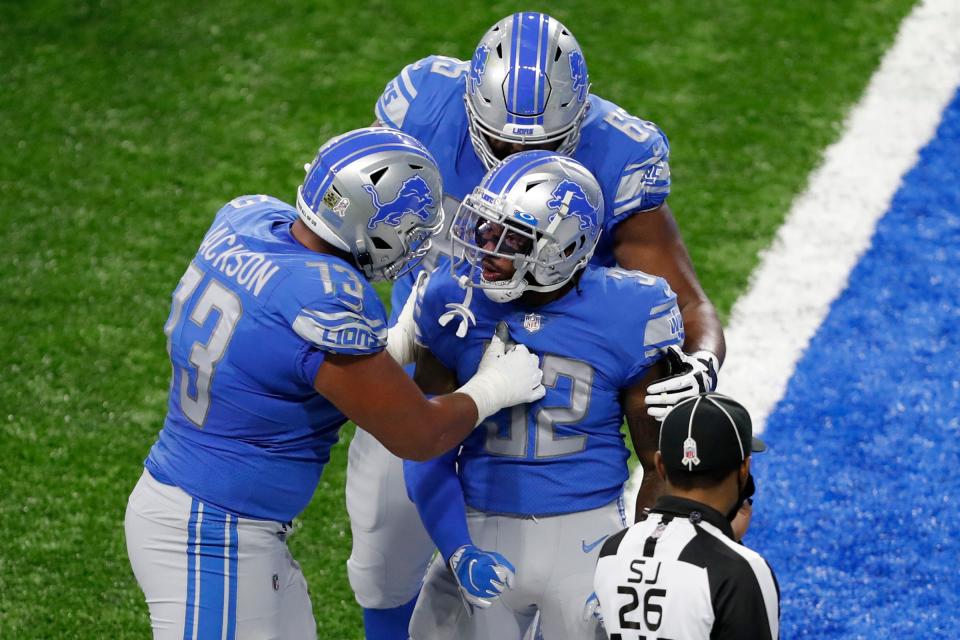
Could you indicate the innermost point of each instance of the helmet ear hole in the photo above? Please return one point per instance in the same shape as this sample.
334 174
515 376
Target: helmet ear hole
380 243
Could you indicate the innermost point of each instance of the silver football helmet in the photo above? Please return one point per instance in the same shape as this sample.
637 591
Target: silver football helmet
542 210
527 84
376 193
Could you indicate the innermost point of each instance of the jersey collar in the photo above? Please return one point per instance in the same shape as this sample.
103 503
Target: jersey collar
695 511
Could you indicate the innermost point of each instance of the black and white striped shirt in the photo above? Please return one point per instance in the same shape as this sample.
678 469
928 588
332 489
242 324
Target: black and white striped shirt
679 575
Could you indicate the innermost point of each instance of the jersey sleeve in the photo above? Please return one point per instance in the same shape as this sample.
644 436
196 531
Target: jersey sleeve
435 489
400 96
652 321
643 182
335 310
744 609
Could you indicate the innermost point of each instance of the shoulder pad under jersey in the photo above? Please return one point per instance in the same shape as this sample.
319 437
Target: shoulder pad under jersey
630 157
421 91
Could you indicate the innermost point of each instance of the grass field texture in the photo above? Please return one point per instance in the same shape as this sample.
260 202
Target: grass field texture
124 127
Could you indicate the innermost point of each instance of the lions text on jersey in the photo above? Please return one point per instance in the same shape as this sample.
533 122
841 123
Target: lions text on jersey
250 323
564 453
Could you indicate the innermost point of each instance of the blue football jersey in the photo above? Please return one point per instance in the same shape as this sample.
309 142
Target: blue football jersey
565 452
251 321
628 156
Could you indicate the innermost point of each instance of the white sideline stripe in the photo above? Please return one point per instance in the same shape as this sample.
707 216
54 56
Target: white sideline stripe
831 223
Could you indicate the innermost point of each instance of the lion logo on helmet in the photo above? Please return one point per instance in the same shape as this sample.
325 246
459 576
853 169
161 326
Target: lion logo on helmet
578 75
413 196
477 66
578 204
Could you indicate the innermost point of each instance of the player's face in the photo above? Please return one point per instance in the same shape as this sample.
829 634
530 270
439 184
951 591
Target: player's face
503 149
488 235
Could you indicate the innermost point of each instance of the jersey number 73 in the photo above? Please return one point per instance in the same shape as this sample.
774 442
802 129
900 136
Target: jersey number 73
205 355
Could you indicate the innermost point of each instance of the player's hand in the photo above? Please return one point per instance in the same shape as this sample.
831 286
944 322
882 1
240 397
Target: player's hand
508 374
591 610
517 370
481 575
690 375
401 337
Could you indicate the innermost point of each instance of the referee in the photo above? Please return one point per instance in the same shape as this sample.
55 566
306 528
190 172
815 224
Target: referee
677 573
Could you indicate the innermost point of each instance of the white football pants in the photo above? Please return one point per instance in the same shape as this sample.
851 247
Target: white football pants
555 558
209 575
391 549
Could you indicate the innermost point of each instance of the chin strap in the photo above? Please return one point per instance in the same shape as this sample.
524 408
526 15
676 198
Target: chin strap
460 310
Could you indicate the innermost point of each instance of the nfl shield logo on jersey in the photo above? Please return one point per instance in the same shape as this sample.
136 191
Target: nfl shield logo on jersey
531 322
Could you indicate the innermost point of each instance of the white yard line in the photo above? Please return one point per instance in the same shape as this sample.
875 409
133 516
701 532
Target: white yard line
831 223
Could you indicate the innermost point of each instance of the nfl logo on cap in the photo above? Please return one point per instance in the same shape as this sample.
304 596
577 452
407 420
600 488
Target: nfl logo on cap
710 424
690 458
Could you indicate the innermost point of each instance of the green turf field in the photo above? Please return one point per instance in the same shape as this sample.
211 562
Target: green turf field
124 127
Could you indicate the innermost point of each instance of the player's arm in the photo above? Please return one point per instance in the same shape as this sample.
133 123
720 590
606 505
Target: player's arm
433 486
374 391
431 375
436 491
644 432
650 241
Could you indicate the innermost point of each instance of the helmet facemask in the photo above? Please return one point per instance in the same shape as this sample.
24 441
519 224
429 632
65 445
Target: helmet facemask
488 226
416 243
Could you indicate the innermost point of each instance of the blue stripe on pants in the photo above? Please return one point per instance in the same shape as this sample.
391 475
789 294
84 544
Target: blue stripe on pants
232 603
191 568
214 534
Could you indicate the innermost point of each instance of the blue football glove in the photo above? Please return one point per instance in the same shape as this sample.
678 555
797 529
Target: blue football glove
481 575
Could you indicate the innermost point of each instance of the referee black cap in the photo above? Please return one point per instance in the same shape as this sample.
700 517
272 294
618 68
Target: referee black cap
709 432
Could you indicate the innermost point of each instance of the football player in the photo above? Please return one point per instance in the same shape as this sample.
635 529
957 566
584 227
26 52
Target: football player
526 87
276 337
539 485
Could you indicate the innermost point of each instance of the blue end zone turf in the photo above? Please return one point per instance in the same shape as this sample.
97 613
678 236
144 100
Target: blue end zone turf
858 509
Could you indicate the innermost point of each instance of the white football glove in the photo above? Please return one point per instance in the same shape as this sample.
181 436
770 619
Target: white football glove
505 377
401 342
592 611
691 375
481 575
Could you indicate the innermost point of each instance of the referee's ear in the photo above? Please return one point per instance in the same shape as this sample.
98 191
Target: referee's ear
744 473
658 465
